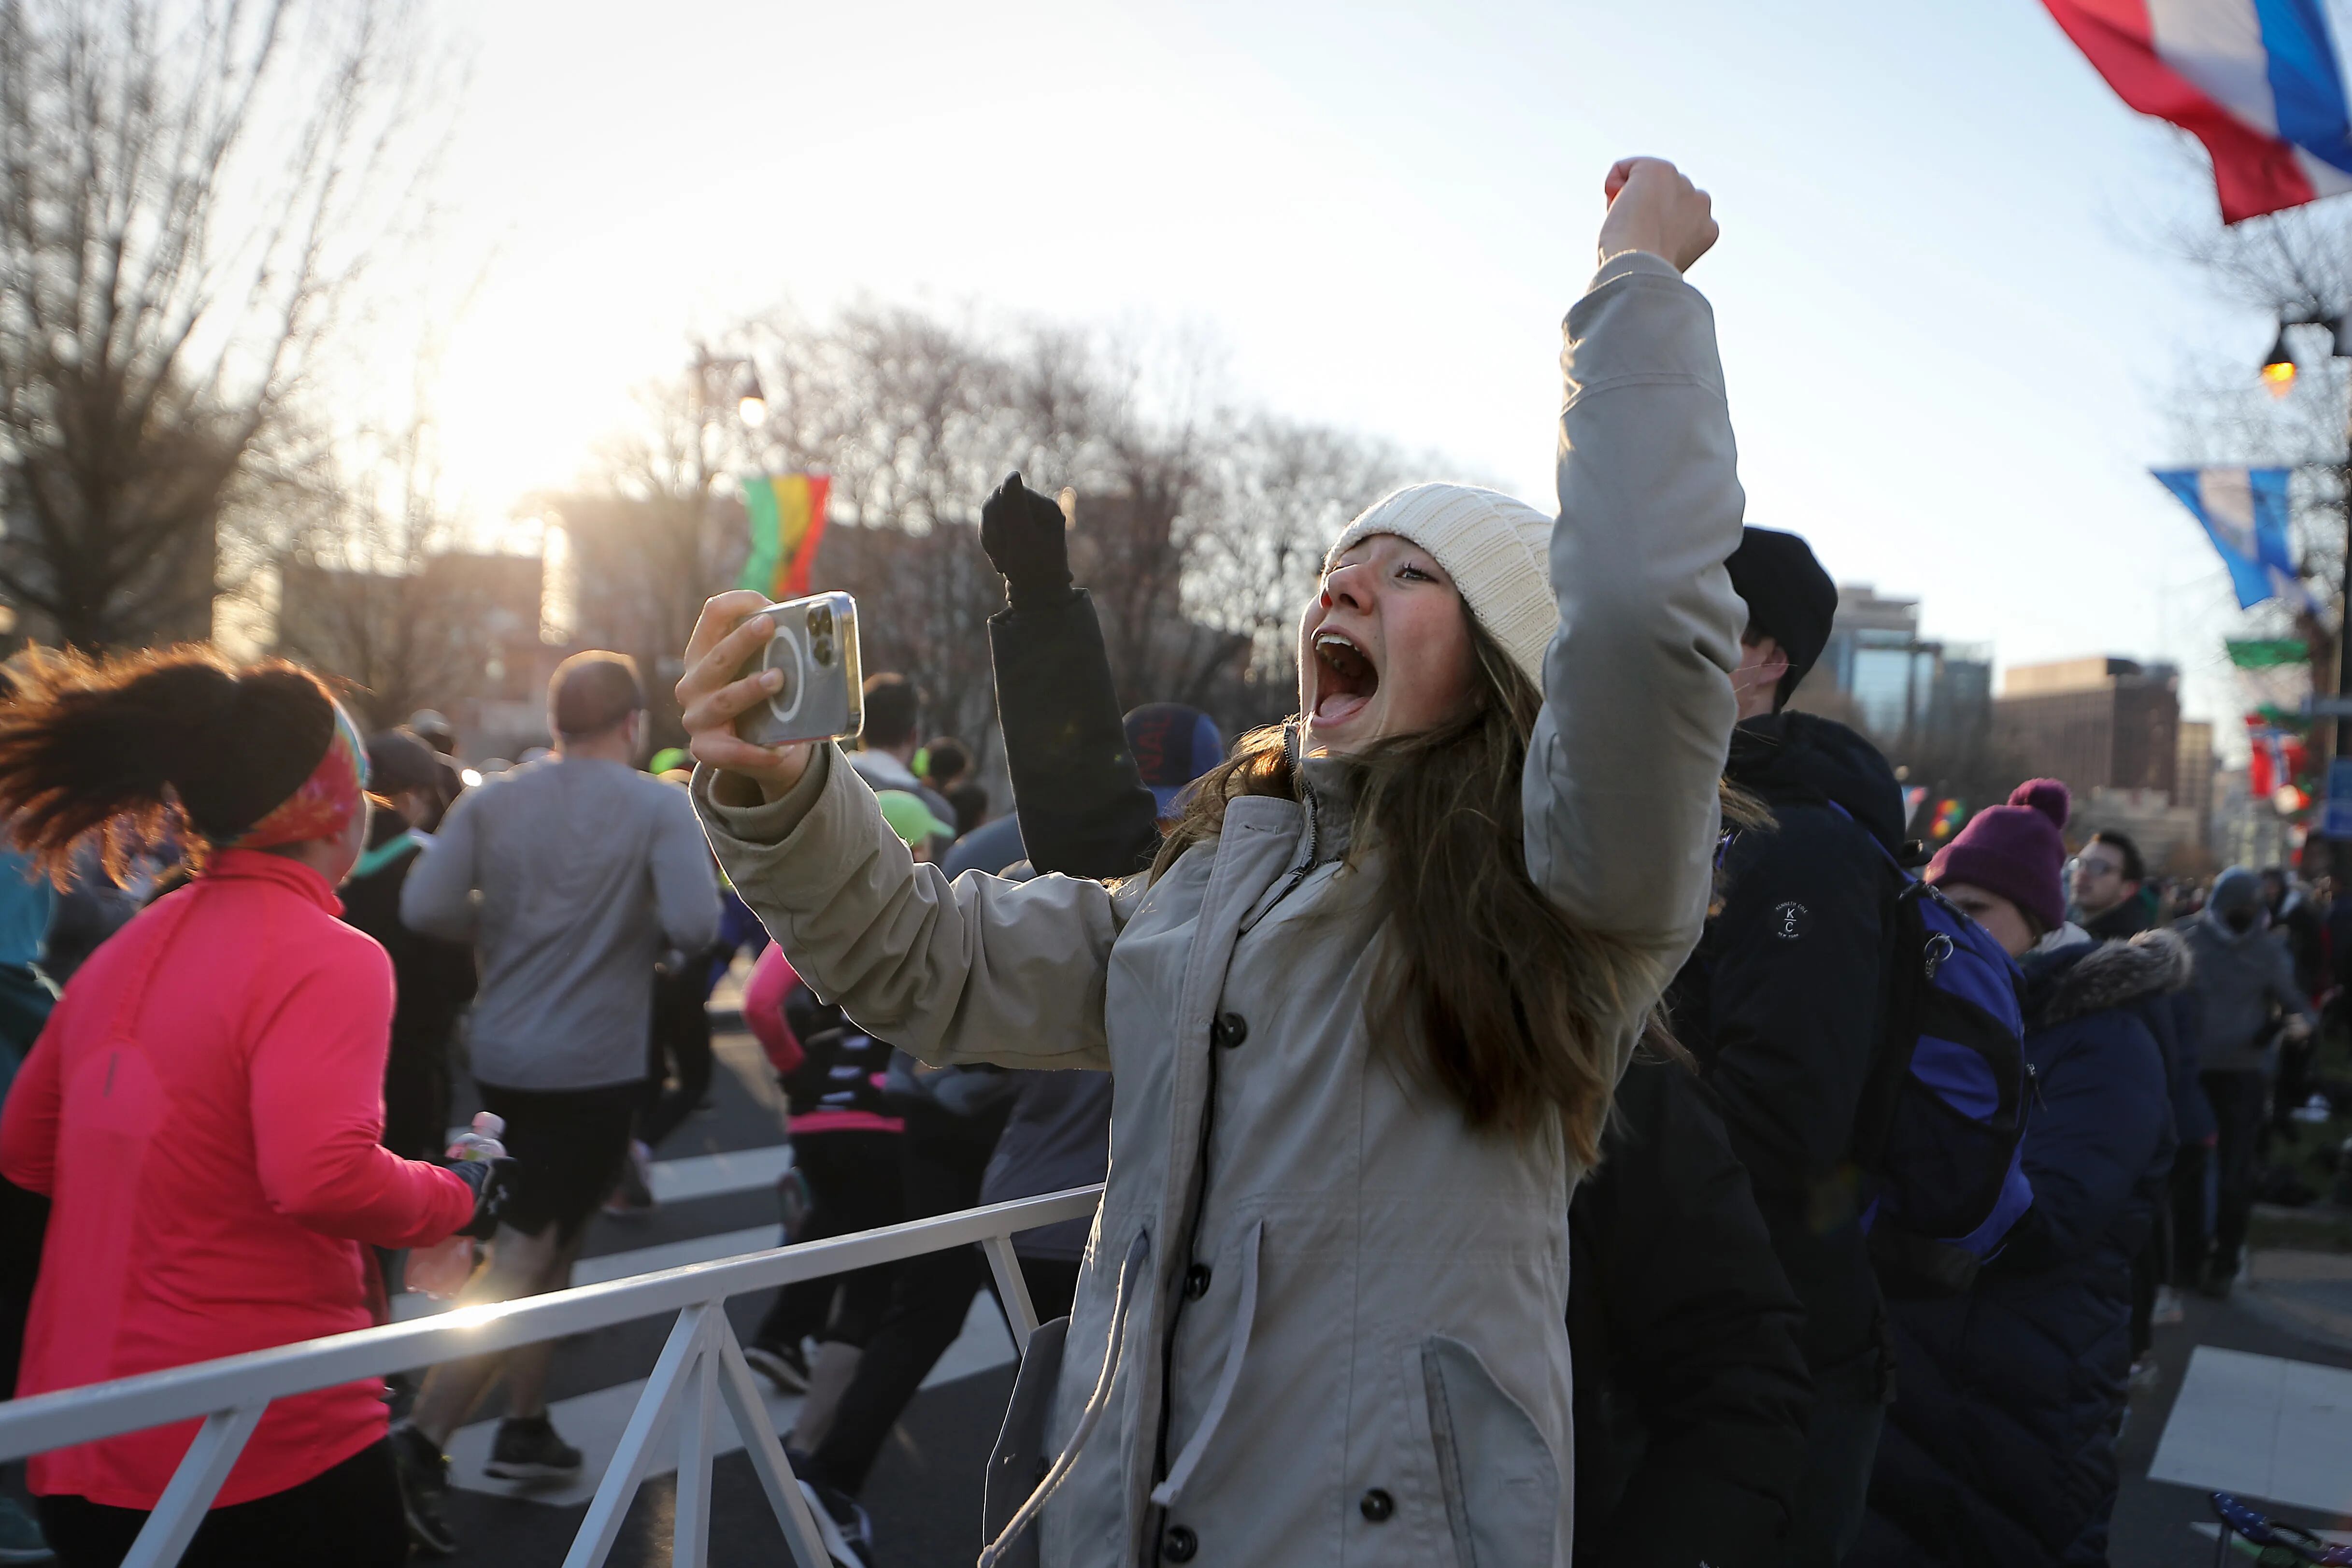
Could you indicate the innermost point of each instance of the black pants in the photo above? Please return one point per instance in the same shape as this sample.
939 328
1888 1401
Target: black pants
681 1038
416 1099
931 1296
2239 1101
2192 1237
349 1516
1053 1285
855 1182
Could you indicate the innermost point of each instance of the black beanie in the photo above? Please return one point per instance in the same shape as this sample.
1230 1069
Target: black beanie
1790 598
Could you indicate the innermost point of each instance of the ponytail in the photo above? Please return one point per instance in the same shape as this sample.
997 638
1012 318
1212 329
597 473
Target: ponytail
125 752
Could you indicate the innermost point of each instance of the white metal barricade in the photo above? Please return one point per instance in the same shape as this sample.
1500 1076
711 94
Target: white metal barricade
701 1368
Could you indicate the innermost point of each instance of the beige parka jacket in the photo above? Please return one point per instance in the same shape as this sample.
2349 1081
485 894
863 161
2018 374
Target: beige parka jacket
1334 1316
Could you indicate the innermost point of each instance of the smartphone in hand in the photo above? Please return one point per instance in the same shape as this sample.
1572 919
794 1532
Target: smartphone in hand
815 649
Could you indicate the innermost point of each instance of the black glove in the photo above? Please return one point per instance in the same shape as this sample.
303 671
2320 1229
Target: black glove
1023 533
493 1185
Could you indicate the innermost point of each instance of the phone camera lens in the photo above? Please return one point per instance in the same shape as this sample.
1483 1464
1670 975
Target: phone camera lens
821 649
818 620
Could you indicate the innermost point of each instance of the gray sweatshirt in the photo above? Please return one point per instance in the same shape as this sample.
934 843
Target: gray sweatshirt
2240 976
587 870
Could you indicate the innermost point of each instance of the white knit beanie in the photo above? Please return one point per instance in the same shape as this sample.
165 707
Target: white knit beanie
1496 550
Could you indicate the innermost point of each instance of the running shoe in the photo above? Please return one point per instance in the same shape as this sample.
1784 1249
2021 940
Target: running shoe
783 1365
423 1473
2169 1308
527 1449
841 1524
634 1196
2145 1374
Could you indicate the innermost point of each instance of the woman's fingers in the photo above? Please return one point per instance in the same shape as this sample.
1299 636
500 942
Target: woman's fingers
719 709
729 623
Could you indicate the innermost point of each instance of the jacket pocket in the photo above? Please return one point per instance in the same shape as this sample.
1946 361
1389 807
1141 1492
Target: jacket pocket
1494 1471
1021 1457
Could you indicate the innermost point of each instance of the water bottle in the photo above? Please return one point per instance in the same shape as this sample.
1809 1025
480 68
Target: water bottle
482 1142
442 1270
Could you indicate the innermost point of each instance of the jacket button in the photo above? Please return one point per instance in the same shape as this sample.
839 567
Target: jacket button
1179 1544
1196 1281
1377 1505
1230 1030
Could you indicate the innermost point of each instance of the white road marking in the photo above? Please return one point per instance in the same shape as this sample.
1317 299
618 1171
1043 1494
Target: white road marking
2261 1427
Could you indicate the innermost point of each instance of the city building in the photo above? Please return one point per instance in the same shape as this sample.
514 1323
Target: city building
1898 687
460 635
2098 723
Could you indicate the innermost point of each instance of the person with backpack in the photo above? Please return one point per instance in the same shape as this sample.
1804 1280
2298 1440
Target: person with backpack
1365 1013
1783 1006
205 1107
1999 1448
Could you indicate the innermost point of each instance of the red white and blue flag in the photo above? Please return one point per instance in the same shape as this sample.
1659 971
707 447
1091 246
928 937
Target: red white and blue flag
2257 81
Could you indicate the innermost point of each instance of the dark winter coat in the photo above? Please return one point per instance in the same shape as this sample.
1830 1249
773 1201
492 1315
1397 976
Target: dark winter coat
1782 1003
1690 1392
1999 1448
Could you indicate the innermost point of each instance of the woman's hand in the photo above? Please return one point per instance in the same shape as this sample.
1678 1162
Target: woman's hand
1653 207
727 635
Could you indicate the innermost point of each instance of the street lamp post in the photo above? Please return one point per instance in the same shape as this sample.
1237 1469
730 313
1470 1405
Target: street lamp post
2278 374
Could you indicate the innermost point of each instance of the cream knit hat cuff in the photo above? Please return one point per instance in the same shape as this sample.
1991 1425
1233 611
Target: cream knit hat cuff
1495 548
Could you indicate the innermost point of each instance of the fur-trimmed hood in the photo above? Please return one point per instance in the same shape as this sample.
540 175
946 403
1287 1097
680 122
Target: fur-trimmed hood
2090 977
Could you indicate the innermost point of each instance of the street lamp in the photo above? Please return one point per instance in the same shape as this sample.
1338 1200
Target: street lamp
753 408
2278 374
2278 366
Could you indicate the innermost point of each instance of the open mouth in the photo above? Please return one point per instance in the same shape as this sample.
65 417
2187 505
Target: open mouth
1345 678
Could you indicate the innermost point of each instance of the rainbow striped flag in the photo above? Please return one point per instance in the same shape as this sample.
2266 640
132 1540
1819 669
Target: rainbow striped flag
787 514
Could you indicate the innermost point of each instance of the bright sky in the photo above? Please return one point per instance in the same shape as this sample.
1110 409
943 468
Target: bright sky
1949 321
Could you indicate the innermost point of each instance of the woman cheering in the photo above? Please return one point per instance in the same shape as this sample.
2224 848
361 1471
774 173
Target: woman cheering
1365 1013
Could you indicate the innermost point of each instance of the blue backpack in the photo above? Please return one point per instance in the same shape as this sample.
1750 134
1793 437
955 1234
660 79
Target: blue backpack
1939 1133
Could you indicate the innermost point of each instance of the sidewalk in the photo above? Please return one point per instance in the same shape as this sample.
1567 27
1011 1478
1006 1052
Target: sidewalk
2255 1397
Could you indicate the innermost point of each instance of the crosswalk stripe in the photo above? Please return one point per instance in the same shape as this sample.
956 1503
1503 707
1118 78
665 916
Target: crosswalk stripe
593 1423
622 1265
713 1175
2262 1426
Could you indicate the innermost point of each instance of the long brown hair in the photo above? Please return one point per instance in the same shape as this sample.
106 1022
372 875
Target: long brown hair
1515 1009
127 750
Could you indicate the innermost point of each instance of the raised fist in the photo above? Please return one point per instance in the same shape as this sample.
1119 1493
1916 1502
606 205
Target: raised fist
1023 533
1653 207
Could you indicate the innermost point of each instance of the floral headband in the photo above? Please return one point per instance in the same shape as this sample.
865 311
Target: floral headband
324 804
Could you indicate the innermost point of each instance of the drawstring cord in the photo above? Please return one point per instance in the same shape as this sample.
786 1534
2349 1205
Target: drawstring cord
1090 1419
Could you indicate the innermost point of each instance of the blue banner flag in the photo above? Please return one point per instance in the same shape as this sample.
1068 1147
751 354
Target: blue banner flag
2244 513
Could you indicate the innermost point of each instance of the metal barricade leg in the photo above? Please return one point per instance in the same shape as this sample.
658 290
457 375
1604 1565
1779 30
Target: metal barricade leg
655 1407
182 1507
1020 1313
691 1526
766 1453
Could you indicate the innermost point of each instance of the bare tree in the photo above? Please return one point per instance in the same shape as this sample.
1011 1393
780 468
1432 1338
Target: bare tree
1199 529
189 190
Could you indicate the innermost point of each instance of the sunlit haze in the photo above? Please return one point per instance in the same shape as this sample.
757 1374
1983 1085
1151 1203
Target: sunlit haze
1949 317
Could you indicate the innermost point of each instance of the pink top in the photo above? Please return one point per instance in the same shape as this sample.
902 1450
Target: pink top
763 1013
204 1108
